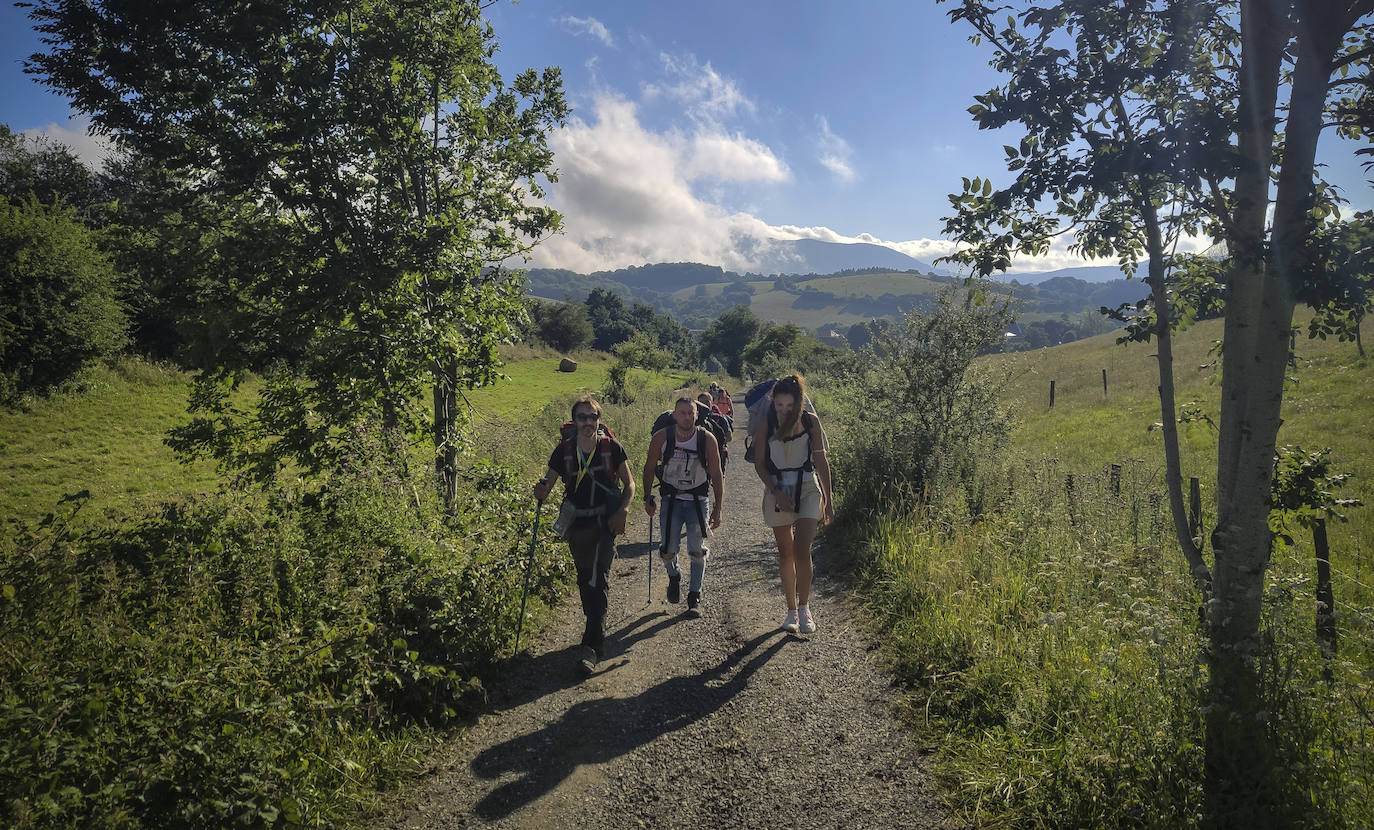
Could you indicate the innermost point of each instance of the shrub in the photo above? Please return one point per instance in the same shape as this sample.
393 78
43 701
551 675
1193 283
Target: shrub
58 306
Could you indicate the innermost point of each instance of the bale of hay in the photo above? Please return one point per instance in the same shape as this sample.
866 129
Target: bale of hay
567 365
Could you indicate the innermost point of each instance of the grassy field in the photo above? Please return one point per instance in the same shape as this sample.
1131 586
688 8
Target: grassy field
105 438
1049 642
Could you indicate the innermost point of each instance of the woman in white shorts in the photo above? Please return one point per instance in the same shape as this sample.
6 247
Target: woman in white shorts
797 495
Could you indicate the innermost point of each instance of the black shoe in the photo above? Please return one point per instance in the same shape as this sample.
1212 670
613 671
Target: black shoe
693 600
675 587
587 659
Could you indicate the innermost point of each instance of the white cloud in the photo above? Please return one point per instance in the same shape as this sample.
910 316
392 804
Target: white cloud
627 197
732 158
588 26
91 149
834 152
705 94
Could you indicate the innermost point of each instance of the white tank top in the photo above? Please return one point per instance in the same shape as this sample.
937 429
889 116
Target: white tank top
686 468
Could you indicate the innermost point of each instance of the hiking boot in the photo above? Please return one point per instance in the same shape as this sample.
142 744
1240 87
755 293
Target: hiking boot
789 622
675 587
806 624
587 659
693 600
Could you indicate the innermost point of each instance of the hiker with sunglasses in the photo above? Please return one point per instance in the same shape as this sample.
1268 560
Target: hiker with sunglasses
597 490
795 471
685 457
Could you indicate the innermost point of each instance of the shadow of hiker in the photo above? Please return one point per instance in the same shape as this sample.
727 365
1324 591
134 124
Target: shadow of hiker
596 731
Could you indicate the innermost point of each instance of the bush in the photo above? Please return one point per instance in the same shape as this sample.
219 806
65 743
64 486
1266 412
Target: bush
58 306
253 658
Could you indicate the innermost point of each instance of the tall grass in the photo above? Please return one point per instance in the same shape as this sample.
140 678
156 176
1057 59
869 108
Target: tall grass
1049 639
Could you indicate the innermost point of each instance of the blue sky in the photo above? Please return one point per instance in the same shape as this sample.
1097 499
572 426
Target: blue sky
696 125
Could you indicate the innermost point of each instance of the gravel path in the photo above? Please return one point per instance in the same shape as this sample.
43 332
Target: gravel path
719 722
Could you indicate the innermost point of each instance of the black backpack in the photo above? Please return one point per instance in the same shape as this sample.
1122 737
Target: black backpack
718 425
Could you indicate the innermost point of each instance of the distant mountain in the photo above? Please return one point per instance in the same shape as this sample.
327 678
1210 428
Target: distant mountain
812 256
1086 273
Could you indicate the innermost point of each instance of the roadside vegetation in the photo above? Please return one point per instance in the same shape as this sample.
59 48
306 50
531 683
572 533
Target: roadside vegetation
1048 635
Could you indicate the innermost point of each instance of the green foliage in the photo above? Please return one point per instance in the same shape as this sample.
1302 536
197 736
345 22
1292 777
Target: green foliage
1304 490
642 353
50 173
919 410
727 337
253 658
564 326
58 304
375 168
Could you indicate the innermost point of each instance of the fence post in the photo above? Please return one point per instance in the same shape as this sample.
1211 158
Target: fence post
1115 479
1326 602
1068 492
1104 383
1051 394
1195 508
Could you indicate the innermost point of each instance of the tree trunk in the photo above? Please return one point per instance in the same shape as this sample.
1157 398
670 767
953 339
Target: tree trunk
1173 467
445 431
1243 783
1239 753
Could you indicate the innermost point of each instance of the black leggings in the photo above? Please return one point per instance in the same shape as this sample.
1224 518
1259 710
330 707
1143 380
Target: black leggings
593 550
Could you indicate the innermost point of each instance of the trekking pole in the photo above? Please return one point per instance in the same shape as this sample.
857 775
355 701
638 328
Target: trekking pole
651 559
529 568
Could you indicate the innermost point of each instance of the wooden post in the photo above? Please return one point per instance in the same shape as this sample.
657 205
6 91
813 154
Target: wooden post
1326 602
1068 492
1195 508
1115 479
1104 383
1051 394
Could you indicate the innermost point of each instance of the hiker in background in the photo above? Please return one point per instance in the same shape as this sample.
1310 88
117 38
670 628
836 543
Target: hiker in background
790 459
722 402
685 457
597 491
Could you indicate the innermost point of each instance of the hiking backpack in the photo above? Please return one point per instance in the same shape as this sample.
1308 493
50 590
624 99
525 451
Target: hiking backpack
759 403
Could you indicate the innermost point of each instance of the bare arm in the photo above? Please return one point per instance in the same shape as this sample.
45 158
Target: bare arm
714 473
627 484
650 462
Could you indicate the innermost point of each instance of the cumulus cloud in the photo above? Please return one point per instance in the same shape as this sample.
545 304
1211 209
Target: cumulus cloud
587 26
706 95
834 153
93 150
627 198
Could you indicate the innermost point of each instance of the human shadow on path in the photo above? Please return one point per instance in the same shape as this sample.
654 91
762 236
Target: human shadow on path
597 731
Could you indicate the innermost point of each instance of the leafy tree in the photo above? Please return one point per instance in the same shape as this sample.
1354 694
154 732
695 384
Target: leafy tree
641 352
727 337
58 306
921 408
1347 264
1139 115
565 326
48 170
377 172
610 319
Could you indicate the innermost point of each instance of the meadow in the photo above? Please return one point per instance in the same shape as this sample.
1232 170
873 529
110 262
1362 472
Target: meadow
1048 637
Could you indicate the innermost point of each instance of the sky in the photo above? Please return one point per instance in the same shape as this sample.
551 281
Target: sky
699 126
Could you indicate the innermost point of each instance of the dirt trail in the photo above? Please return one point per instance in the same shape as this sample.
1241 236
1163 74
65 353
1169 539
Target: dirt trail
719 722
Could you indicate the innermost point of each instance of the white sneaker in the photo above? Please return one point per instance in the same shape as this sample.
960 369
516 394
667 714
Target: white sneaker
789 622
806 624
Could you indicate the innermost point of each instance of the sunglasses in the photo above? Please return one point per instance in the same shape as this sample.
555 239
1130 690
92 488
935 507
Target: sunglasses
586 417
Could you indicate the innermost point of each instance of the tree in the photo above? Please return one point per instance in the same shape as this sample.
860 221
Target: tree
565 326
48 170
728 336
1347 263
377 174
58 306
1190 103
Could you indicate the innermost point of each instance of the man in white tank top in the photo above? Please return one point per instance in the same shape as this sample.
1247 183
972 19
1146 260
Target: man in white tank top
690 459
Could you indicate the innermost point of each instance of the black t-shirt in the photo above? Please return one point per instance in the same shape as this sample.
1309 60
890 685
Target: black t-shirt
587 494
